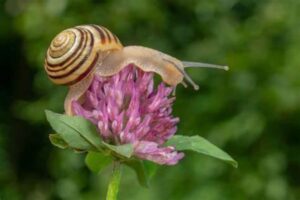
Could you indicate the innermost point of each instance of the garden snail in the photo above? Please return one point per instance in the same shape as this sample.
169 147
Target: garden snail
77 53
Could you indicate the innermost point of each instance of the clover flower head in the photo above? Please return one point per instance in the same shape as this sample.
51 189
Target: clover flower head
127 108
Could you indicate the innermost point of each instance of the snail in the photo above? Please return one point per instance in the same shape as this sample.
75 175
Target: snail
77 53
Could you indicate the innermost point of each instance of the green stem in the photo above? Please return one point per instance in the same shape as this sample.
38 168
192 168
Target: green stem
113 187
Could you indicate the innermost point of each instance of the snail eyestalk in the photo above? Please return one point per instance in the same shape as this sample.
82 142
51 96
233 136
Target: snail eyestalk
190 80
204 65
184 84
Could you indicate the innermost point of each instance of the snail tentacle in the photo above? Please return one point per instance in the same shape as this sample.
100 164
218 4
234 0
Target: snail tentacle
187 64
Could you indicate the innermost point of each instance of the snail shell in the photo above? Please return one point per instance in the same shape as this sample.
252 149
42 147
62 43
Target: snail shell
74 52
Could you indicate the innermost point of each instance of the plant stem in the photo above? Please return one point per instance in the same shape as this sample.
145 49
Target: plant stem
113 187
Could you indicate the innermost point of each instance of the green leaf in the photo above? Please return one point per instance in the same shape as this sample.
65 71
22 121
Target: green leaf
144 170
58 141
96 161
140 170
151 168
79 150
200 145
124 150
78 132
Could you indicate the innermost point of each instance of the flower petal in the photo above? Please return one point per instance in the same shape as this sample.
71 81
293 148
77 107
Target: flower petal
160 155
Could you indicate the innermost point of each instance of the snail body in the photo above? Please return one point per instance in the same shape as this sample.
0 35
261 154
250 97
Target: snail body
76 54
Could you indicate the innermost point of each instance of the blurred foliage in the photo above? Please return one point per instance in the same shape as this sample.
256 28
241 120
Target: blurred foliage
252 111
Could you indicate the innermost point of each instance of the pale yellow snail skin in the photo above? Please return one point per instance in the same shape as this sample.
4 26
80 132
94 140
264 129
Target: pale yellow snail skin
76 54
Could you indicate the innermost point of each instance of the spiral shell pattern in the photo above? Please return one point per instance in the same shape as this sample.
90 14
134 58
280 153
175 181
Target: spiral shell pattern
74 52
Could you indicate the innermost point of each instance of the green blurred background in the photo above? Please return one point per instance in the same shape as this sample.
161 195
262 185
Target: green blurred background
252 111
